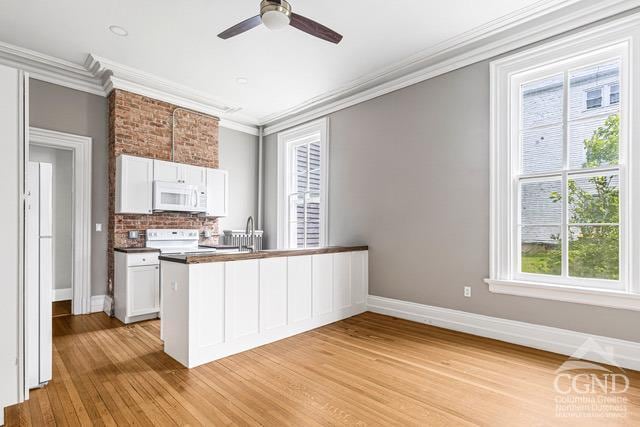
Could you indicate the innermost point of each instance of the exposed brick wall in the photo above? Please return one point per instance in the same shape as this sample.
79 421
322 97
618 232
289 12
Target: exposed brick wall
141 126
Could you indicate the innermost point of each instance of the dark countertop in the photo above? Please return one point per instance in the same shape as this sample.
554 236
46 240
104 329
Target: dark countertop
240 256
136 250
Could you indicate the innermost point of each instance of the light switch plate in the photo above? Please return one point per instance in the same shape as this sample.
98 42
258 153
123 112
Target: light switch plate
98 227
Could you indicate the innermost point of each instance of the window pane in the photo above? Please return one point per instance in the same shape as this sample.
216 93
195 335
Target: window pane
541 250
594 200
294 241
301 153
594 142
541 202
542 102
313 234
542 150
594 252
614 94
313 207
586 90
296 207
594 98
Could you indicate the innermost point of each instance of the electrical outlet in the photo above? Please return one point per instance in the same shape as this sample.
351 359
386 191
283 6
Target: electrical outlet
467 291
98 227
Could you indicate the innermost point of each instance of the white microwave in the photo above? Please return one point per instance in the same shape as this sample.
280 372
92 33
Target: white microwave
179 197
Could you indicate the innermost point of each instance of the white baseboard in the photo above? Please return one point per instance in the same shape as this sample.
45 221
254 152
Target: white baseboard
97 303
562 341
62 294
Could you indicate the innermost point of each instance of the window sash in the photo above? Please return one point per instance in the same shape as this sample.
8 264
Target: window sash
517 177
302 185
307 192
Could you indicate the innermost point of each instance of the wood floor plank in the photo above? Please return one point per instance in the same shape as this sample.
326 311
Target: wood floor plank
366 370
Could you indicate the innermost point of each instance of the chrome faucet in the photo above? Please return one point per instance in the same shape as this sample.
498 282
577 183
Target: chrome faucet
252 239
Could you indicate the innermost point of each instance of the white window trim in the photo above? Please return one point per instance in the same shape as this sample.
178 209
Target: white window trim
284 139
623 33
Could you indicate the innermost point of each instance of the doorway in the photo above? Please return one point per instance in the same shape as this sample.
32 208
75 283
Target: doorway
70 156
60 163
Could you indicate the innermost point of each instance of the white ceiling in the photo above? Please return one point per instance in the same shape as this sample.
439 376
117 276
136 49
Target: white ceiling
176 40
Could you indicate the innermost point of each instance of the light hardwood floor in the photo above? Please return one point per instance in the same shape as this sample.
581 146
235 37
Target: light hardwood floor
367 370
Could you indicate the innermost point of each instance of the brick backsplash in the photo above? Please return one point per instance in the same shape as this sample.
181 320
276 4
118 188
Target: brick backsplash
141 126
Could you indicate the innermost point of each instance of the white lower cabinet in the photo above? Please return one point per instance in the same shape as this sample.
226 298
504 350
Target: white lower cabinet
342 280
213 310
143 293
242 299
322 284
273 293
136 286
359 277
299 289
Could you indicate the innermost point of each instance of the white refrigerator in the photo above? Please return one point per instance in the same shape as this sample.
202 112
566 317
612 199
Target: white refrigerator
39 275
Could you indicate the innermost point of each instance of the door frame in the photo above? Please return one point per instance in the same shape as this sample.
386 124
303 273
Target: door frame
80 147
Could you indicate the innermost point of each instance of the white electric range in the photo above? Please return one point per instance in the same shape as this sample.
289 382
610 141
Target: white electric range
176 241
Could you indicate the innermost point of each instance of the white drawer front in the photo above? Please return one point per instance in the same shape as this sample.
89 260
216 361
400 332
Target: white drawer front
150 258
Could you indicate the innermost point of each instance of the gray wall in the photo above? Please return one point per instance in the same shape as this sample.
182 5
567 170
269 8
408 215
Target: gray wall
62 161
238 154
409 176
66 110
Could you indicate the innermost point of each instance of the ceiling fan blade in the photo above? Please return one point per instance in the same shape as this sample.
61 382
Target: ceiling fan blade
240 28
310 26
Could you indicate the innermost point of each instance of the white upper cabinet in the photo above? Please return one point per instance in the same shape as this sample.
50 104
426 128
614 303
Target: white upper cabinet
217 192
135 177
167 171
194 175
134 182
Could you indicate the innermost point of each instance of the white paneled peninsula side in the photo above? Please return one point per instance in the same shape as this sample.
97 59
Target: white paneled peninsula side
214 306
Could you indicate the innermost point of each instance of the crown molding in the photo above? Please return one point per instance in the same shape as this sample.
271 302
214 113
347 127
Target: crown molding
50 69
474 46
240 127
100 76
119 76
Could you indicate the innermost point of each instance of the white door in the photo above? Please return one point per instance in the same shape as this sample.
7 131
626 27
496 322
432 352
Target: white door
143 290
167 171
46 270
32 294
46 301
39 273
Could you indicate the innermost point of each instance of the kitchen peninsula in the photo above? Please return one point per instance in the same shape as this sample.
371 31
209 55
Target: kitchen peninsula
216 305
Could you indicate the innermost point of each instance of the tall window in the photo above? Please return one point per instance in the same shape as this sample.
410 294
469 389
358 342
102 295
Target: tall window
568 176
565 187
302 167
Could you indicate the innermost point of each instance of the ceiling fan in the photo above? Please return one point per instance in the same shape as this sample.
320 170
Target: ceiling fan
277 14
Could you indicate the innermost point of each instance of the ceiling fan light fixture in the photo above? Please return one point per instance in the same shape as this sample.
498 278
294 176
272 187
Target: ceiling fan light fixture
275 15
274 20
